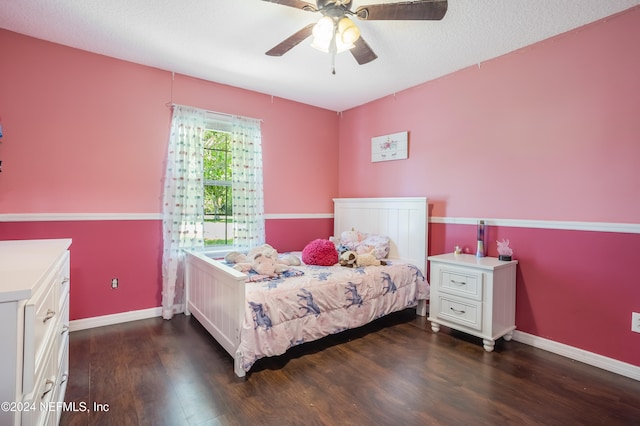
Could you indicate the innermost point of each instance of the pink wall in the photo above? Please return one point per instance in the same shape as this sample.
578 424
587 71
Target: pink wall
85 133
101 250
89 126
549 132
295 234
78 128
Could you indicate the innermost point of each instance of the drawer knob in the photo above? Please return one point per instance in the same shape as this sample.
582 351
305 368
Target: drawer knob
64 280
65 328
50 314
459 282
457 311
64 378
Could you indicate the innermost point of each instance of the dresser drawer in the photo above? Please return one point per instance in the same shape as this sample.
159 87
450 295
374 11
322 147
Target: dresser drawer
43 315
61 387
465 283
39 401
62 278
62 332
42 321
464 312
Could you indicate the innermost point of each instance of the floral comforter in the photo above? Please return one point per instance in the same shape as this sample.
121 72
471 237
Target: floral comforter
320 301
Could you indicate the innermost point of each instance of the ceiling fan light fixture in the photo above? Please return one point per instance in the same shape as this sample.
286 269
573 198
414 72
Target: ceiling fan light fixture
348 31
321 45
324 30
342 46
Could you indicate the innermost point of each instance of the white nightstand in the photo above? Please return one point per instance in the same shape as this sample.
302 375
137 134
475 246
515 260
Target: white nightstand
476 295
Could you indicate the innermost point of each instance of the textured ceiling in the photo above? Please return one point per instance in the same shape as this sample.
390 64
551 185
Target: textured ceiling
225 40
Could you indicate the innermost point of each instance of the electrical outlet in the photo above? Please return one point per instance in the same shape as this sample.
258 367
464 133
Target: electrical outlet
635 322
114 283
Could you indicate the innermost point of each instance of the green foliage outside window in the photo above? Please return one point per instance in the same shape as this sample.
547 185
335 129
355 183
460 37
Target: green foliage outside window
217 184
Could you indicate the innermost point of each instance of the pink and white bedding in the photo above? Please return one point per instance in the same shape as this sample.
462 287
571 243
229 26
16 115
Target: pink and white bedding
322 300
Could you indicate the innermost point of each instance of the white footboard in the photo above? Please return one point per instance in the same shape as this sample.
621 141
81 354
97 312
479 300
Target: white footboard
215 295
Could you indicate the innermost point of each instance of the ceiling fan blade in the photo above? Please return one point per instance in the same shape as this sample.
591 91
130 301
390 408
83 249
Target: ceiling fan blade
423 10
362 52
291 42
298 4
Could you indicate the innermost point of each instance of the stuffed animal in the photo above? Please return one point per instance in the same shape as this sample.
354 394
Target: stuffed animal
256 258
348 259
235 257
289 260
352 259
265 265
368 259
352 237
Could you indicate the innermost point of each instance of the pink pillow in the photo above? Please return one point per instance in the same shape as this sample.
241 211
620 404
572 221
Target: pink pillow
320 252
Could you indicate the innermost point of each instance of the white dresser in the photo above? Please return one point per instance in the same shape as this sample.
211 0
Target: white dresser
34 330
476 295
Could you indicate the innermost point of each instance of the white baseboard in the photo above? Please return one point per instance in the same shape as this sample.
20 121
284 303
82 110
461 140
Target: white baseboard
101 321
603 362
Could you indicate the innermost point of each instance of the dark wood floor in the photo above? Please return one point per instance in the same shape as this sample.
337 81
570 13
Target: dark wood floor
395 371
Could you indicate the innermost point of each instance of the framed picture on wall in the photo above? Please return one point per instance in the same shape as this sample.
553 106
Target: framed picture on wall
390 147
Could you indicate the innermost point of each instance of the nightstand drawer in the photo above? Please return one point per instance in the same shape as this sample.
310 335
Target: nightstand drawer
464 312
461 282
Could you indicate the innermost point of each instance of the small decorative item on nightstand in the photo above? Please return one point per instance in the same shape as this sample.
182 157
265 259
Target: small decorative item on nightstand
504 251
480 248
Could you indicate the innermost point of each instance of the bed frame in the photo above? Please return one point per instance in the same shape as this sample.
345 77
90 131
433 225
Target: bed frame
215 293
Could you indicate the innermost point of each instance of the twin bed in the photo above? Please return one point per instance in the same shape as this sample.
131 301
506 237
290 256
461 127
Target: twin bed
255 319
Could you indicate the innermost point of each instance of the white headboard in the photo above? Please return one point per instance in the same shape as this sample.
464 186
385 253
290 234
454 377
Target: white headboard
402 219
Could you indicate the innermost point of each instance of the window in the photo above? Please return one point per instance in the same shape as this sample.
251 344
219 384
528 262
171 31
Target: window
234 148
218 211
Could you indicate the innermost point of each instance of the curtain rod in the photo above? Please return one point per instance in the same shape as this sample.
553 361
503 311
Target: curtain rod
171 105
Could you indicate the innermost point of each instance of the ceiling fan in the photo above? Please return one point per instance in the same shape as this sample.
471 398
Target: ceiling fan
336 32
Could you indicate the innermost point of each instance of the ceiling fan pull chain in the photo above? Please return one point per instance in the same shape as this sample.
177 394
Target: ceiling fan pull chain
333 48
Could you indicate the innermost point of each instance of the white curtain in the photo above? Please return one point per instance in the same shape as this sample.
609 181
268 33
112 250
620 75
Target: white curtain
247 187
183 212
